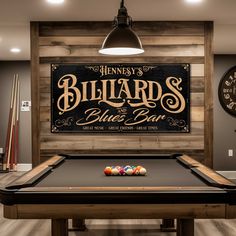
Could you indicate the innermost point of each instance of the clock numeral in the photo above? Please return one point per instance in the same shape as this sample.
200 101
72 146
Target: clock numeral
227 90
231 105
232 78
226 96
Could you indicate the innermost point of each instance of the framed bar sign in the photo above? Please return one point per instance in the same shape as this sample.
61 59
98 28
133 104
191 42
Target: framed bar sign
120 98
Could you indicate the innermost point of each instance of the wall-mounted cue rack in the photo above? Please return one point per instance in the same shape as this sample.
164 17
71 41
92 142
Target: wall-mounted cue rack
164 42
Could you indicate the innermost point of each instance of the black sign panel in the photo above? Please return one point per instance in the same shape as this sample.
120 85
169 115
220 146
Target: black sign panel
129 98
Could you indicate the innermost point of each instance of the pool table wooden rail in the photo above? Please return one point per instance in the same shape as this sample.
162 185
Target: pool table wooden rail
119 211
30 177
209 175
59 214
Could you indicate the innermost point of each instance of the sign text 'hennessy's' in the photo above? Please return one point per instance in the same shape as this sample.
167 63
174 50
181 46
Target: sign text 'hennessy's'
120 98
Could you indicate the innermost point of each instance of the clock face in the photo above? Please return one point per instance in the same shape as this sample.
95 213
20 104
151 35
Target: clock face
227 91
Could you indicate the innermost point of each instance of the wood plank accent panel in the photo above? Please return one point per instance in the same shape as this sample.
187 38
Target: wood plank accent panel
34 44
209 94
97 40
164 42
95 28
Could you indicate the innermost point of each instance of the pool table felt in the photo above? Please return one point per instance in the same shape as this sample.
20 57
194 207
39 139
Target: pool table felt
89 173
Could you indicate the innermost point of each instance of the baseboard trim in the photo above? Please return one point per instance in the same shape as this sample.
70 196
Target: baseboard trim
24 167
228 174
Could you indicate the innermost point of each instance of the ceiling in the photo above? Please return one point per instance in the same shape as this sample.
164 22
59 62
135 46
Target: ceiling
15 16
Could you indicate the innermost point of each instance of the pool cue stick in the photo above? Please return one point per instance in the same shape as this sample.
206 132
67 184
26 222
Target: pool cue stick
17 125
9 127
13 149
12 154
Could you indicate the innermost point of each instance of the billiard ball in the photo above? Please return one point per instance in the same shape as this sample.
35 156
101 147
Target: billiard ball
121 170
137 170
128 171
142 171
107 170
134 171
114 171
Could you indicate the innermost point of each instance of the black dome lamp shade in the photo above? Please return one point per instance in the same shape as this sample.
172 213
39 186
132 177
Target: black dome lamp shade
122 40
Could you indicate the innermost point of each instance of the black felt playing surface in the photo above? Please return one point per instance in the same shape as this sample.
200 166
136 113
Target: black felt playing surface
89 173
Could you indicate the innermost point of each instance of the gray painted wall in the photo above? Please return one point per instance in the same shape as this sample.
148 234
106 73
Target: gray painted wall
224 124
7 71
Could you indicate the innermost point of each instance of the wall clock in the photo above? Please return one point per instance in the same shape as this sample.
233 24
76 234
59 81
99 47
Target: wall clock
227 91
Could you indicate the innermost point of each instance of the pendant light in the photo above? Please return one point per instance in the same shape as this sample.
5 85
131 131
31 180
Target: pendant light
122 40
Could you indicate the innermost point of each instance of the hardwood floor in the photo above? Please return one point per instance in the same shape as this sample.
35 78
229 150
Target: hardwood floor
108 227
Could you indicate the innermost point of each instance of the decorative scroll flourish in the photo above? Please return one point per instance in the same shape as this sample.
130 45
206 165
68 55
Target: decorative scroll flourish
54 129
54 67
186 67
176 122
147 68
64 122
94 68
122 110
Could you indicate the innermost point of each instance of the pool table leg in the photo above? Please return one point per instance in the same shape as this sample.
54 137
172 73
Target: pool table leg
78 225
185 227
59 227
168 225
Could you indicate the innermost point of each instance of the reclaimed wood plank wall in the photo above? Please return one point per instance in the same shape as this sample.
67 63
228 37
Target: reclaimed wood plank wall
164 42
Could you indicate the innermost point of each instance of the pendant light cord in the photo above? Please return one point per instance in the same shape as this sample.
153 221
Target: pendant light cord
122 3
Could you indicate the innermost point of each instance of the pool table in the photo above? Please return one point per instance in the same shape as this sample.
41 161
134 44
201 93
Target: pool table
75 187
